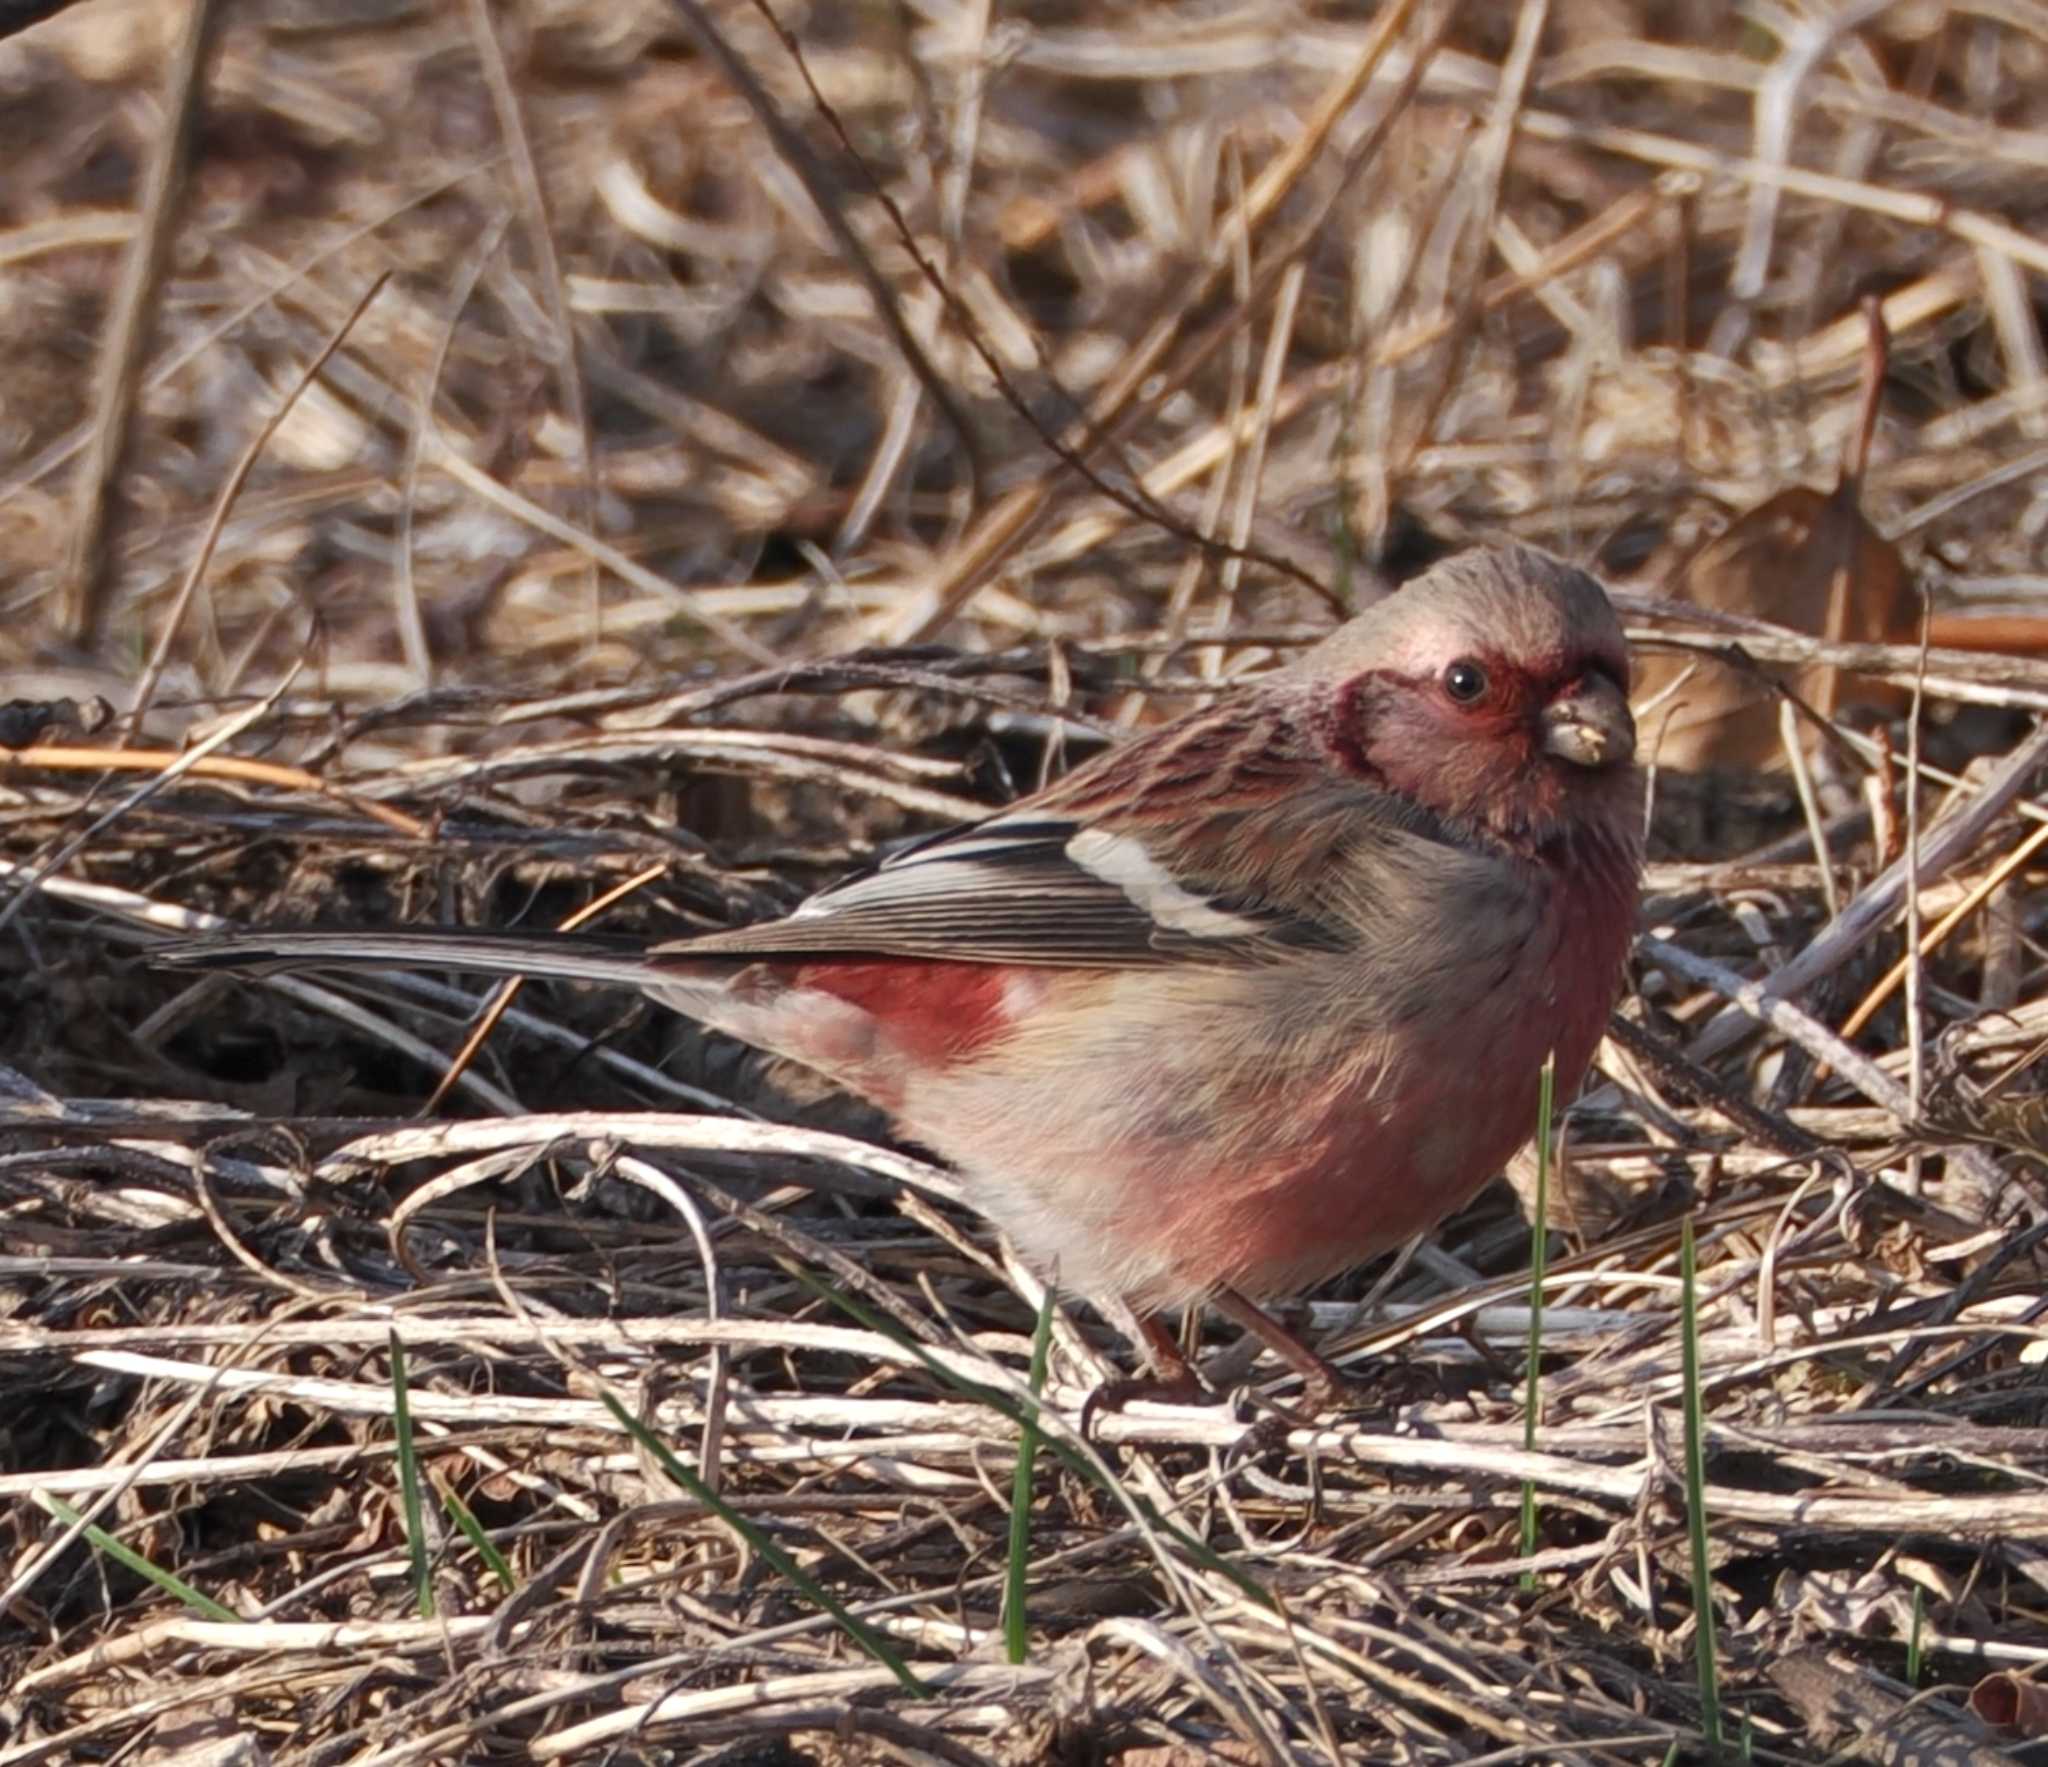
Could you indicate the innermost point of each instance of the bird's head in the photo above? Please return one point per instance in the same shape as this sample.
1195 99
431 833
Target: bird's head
1491 691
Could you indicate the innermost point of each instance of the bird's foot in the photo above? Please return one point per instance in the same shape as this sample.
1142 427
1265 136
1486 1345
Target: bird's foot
1328 1390
1172 1380
1324 1386
1177 1387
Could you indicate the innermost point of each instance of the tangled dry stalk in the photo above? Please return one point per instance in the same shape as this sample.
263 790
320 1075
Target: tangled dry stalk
776 427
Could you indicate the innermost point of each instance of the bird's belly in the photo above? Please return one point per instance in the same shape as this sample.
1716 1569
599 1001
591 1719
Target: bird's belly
1382 1170
1266 1177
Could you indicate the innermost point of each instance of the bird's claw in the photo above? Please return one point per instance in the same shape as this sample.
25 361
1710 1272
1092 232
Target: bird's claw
1183 1387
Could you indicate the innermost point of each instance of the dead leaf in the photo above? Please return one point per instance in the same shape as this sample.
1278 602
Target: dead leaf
1803 559
2007 1701
1998 634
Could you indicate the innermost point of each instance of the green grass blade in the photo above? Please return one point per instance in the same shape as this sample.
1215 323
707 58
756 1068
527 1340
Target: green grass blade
1539 1252
409 1484
1696 1494
203 1605
1913 1641
850 1623
472 1530
1016 1623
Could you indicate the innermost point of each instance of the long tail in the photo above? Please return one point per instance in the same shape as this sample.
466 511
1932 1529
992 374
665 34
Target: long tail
564 956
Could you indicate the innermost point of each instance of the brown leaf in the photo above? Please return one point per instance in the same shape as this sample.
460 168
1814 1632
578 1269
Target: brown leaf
1803 559
1998 634
2011 1702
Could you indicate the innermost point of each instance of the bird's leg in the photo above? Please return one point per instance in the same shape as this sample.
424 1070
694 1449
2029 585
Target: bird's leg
1172 1380
1324 1385
1170 1366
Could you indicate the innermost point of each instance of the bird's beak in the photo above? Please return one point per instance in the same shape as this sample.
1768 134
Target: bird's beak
1589 725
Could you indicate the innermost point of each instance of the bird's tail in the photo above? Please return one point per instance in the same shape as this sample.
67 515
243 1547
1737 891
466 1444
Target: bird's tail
561 956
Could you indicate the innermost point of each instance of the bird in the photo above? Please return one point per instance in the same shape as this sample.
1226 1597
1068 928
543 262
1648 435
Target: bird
1238 1004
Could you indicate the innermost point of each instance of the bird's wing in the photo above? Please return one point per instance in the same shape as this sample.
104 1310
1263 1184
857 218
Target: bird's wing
1175 847
1012 890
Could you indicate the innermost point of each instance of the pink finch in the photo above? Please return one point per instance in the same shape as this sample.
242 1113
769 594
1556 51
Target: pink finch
1242 1002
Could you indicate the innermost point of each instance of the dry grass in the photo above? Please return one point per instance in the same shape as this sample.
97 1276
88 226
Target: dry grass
1061 361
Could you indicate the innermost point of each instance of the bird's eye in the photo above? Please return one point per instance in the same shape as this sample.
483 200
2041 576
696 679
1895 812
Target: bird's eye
1465 682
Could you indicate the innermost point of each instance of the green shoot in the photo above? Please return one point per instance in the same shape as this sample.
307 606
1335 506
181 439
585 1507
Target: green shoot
1016 1622
203 1605
472 1530
850 1623
409 1484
